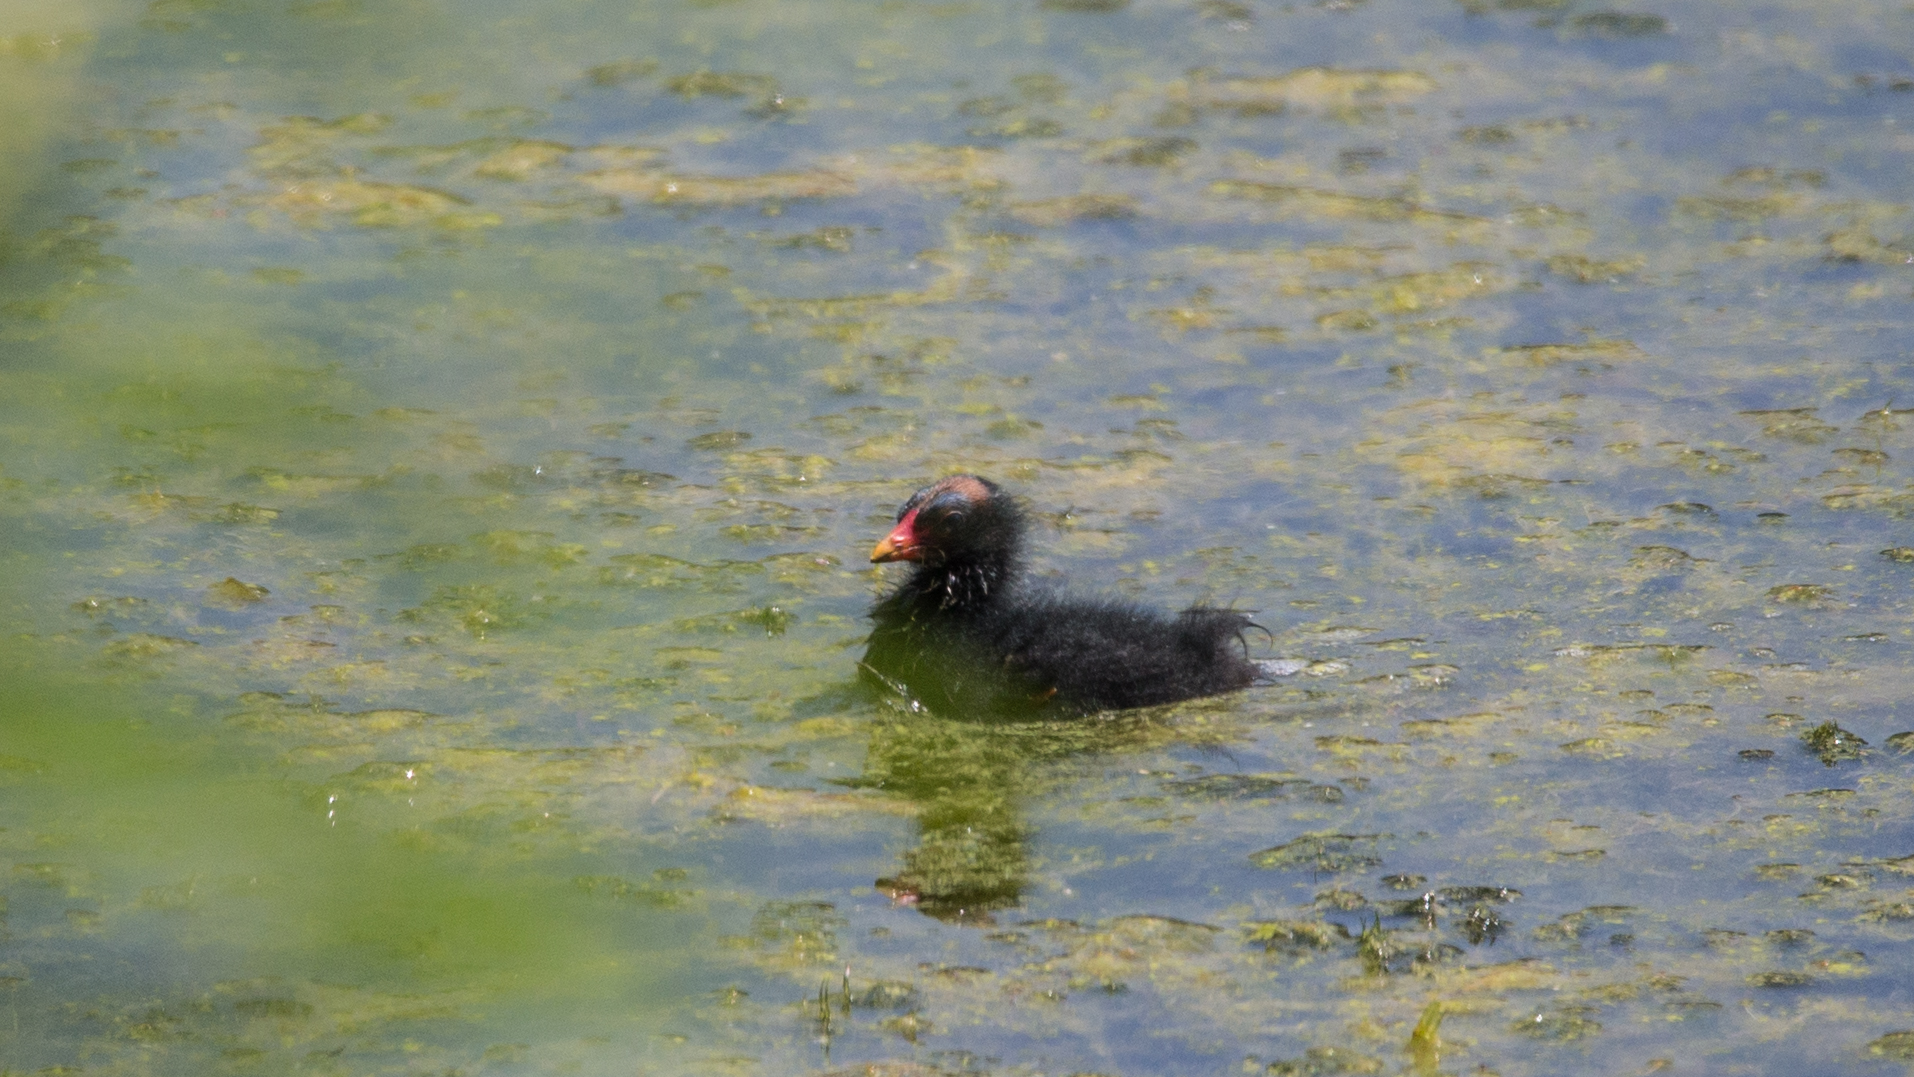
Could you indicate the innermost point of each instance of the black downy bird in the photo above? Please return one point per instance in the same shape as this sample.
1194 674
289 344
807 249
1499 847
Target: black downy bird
967 635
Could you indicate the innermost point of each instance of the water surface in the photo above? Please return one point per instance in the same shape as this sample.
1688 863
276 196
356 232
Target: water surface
441 444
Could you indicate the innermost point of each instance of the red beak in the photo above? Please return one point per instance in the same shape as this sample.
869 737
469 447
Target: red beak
901 543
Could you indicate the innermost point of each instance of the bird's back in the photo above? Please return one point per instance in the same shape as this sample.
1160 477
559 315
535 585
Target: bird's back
1111 655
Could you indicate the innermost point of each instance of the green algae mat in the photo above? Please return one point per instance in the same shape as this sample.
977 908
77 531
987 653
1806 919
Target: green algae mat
440 444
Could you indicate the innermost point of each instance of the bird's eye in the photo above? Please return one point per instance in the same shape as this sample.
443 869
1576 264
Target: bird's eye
953 517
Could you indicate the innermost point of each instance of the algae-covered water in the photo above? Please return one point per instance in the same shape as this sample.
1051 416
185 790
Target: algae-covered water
440 443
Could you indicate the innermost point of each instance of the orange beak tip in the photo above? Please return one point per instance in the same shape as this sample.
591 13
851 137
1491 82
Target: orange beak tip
889 550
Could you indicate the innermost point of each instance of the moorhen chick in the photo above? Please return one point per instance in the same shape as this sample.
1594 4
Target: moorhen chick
967 635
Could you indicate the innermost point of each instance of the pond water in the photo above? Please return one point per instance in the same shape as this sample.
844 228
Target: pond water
439 447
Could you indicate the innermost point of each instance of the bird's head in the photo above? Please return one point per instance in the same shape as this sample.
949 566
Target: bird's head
952 521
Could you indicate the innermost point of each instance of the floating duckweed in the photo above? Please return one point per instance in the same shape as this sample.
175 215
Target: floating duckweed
1889 911
1483 924
1833 744
1661 557
691 190
1594 351
1897 865
1020 127
318 202
1832 796
773 619
1571 926
1584 270
521 159
527 547
1053 212
1565 1024
618 889
1296 934
1898 1046
480 609
1479 7
986 106
1619 24
1338 90
1423 907
1332 204
909 1025
1859 244
234 594
1433 675
146 645
1347 321
1236 786
1862 457
1793 424
238 512
1799 592
887 995
834 238
1325 1062
1148 152
619 72
720 84
1322 852
1494 895
1379 948
802 932
1463 726
1166 933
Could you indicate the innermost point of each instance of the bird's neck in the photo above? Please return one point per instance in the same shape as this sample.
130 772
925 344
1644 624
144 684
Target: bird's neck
960 586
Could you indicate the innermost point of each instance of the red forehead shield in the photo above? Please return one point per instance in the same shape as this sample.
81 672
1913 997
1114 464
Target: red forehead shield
901 543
